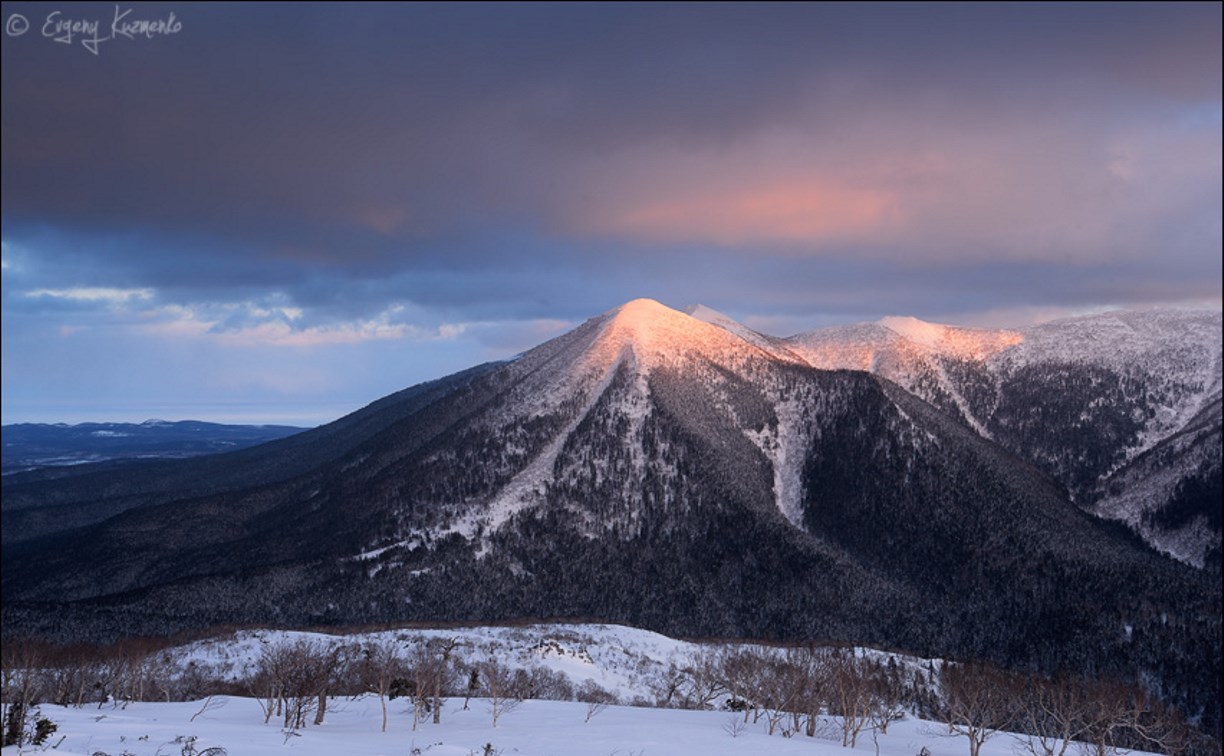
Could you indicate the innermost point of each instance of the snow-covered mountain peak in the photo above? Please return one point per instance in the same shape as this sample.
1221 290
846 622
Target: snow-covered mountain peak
597 374
918 331
702 312
643 307
657 334
1163 337
776 347
642 335
714 317
952 340
644 321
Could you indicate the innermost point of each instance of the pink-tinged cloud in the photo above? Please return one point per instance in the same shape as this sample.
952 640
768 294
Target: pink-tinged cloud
283 335
281 327
183 323
792 211
382 219
935 191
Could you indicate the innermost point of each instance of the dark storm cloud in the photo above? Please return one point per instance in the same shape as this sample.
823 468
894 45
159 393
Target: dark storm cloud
271 146
465 179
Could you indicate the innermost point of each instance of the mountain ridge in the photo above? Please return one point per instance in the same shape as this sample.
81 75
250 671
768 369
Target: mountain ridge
1083 397
991 380
647 468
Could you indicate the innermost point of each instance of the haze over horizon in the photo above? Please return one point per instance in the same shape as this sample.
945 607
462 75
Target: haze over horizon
278 216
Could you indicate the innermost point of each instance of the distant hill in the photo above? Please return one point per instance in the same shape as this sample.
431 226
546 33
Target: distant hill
31 445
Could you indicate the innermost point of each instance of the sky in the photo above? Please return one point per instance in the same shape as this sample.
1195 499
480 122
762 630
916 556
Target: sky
280 213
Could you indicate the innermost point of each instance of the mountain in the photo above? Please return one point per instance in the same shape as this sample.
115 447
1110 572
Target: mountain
770 344
56 499
30 445
647 468
1121 408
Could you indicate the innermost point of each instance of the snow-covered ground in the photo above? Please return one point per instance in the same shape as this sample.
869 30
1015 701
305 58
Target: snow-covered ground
535 728
626 662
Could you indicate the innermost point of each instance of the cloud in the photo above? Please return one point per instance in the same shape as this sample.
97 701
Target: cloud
500 175
280 334
93 294
812 211
1087 188
420 125
250 325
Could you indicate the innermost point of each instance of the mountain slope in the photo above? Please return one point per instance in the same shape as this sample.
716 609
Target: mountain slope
1171 494
50 500
1083 398
652 469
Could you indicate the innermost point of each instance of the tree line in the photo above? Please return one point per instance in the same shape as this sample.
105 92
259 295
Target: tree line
834 693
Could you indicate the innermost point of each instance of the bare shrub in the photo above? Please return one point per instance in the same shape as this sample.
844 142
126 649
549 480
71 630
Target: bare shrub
498 685
293 679
734 727
23 686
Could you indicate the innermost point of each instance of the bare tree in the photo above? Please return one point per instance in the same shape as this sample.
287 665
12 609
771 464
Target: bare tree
299 687
191 682
162 671
473 685
62 674
703 681
1116 716
741 671
851 694
212 703
442 648
811 670
131 662
497 685
780 685
977 700
1165 730
293 679
595 697
1097 717
21 662
266 685
329 670
668 685
106 674
1106 710
381 665
594 709
425 672
888 690
1051 714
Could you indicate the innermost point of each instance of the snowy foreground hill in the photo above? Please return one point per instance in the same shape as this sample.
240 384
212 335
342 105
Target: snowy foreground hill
537 728
630 670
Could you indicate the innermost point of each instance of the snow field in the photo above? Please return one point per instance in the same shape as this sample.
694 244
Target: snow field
534 728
